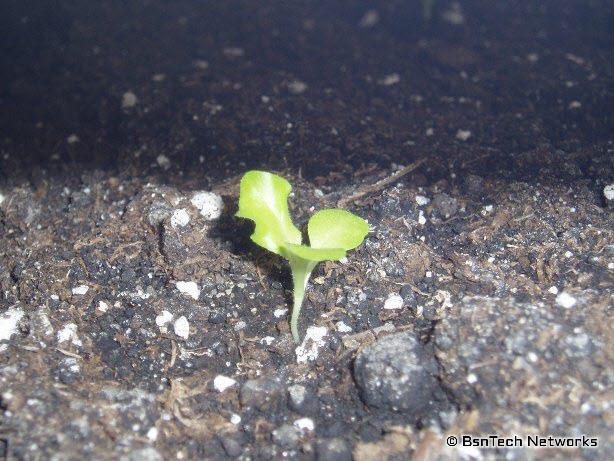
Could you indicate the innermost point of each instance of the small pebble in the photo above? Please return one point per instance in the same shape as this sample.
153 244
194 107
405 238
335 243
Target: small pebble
447 206
286 436
297 394
267 394
231 446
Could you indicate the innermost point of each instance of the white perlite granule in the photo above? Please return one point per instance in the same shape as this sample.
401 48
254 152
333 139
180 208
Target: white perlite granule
182 327
297 87
305 424
9 321
463 135
129 100
209 204
565 300
189 288
80 290
69 334
163 161
180 218
390 80
421 200
313 341
393 302
221 383
164 318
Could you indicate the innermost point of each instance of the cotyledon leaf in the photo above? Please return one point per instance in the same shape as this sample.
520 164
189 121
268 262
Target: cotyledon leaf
264 199
335 228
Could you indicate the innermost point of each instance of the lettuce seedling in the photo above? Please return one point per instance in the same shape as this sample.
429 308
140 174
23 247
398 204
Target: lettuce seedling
264 200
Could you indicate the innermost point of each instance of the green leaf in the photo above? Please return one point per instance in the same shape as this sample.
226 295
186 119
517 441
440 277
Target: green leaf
313 254
264 200
336 228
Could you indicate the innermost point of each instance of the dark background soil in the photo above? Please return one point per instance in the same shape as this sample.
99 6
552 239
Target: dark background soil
113 114
508 74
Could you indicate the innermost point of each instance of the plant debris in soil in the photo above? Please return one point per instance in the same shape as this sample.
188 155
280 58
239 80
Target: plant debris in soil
139 322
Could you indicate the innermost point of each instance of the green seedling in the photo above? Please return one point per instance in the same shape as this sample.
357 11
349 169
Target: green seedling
264 200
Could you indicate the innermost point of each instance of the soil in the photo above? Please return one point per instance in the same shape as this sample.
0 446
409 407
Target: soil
134 326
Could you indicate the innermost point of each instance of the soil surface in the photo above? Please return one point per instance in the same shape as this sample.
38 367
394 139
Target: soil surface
139 322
